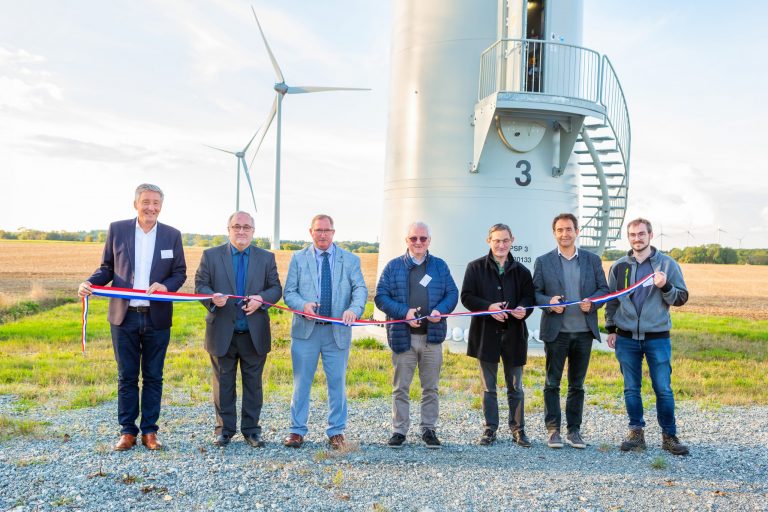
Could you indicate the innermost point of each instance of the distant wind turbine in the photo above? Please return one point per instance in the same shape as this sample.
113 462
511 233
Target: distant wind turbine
281 89
690 235
241 161
718 234
661 237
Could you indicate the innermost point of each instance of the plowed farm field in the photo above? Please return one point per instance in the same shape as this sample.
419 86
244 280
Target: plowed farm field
38 268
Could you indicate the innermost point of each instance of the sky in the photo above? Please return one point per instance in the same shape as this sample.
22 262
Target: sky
97 97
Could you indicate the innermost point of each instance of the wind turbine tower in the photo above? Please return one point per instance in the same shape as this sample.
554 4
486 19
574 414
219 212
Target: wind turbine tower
498 114
281 89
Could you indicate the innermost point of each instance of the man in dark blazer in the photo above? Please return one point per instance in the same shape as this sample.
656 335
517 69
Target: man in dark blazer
237 330
142 254
493 283
564 275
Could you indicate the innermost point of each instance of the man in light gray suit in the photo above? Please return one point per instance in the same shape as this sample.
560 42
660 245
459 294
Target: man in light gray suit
565 275
238 329
323 279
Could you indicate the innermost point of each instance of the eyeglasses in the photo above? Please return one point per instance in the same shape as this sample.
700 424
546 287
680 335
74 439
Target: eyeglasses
238 227
323 231
504 241
421 239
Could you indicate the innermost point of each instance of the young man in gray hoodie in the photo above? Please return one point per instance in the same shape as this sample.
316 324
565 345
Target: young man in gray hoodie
639 325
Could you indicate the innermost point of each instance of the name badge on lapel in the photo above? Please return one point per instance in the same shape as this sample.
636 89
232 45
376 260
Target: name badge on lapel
166 254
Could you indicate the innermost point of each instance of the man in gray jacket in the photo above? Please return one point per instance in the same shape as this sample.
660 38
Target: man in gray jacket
639 325
567 274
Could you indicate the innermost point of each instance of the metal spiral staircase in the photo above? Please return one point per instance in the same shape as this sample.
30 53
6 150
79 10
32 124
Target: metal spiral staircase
515 72
603 148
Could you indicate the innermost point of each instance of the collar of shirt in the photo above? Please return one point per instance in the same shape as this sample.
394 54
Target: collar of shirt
140 231
575 254
235 250
414 260
318 253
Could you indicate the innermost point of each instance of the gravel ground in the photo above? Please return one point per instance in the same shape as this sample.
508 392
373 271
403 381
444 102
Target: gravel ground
73 468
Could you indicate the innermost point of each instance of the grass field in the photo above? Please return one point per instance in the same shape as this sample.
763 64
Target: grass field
720 342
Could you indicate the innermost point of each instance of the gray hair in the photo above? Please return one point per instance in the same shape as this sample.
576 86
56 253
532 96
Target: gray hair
320 216
148 187
418 224
499 227
229 220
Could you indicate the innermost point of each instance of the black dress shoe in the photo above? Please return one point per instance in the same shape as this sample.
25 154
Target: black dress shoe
255 440
222 440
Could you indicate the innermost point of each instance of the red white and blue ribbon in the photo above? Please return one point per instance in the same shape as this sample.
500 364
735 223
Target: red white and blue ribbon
129 293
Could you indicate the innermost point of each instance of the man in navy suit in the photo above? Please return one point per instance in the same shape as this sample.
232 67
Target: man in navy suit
567 274
143 254
326 280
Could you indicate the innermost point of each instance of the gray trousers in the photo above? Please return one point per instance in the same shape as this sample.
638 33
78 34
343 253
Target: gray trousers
513 375
429 359
225 391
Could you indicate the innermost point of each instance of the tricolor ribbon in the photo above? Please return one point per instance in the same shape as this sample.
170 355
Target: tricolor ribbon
130 293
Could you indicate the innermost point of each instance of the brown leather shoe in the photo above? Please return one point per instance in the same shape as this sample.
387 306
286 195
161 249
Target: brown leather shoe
293 441
151 442
126 442
337 442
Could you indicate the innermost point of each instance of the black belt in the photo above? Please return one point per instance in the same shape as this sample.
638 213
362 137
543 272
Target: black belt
242 332
139 309
319 322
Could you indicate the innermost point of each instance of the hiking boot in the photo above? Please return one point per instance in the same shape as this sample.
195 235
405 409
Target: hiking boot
396 441
672 445
521 439
554 440
635 440
575 440
430 439
488 437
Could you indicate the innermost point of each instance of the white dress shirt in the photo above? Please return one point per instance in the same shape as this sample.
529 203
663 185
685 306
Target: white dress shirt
145 250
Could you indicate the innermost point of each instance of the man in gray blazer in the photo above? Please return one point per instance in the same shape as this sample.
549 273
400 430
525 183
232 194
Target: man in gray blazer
564 275
326 280
237 330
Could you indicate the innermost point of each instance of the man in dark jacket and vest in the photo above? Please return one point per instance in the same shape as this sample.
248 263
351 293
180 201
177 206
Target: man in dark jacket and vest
415 285
496 282
567 274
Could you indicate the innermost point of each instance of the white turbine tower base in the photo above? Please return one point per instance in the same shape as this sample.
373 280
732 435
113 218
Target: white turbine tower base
281 89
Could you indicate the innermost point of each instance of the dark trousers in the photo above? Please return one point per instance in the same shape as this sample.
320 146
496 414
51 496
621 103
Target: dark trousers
139 347
576 347
224 387
513 376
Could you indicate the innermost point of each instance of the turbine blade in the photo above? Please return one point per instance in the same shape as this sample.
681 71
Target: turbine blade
219 149
250 184
265 128
278 73
312 88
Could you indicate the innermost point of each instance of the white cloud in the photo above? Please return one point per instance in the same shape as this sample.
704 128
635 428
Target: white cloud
23 85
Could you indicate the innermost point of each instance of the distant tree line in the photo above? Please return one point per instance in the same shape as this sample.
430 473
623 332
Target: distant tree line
709 253
188 239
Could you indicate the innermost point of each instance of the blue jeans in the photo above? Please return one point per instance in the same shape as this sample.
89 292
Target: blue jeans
304 356
139 347
658 355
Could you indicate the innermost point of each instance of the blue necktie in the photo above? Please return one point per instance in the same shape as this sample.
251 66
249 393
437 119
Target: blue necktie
240 280
325 287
